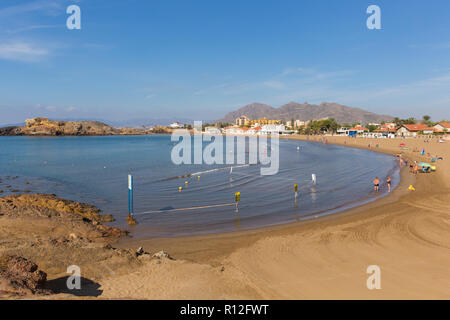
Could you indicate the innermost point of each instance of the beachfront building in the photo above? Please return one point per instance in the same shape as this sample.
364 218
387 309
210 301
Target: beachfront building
343 131
234 130
389 125
273 129
242 121
358 130
299 123
176 125
212 130
385 132
442 127
265 121
245 121
295 124
413 130
254 131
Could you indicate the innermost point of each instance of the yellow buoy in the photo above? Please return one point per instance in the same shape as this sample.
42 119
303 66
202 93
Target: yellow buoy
180 188
198 177
130 220
186 183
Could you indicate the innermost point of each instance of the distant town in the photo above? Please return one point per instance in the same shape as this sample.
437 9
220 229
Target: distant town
243 125
397 128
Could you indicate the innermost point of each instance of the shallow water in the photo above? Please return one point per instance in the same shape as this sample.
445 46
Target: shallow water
95 169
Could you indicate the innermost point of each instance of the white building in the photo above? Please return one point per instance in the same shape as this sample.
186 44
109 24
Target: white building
232 130
254 131
273 128
212 130
176 125
343 131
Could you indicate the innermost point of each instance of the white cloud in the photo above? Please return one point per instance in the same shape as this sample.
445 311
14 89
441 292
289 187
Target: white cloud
273 84
35 27
50 6
22 51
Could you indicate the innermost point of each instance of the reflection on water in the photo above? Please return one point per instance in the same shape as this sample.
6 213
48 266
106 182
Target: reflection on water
95 169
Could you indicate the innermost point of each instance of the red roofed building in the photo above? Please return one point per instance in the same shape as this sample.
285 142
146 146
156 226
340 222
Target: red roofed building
412 130
386 130
442 127
359 129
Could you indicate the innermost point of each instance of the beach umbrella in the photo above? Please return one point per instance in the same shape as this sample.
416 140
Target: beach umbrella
424 164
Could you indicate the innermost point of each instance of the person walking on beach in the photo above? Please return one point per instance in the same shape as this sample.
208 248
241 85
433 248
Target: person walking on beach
389 182
376 184
416 167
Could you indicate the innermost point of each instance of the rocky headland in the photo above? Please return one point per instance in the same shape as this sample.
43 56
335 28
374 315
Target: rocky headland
46 127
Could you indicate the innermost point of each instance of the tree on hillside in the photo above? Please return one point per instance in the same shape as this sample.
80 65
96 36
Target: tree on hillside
427 121
323 126
400 122
372 127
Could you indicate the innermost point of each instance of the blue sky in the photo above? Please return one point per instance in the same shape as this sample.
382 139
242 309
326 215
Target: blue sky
201 59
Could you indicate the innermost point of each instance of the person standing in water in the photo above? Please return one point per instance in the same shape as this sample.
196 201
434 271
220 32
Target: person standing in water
389 183
376 184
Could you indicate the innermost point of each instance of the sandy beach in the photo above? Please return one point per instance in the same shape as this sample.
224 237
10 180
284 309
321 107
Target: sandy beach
405 234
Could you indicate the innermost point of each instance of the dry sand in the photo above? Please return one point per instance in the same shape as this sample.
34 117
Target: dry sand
406 234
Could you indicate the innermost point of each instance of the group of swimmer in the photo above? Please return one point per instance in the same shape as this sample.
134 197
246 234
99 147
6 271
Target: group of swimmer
413 165
376 183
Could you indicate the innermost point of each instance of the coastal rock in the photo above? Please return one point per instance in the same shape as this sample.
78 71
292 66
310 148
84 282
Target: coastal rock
162 255
45 127
19 276
111 232
50 205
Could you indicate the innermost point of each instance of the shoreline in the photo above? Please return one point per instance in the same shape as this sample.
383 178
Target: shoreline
405 181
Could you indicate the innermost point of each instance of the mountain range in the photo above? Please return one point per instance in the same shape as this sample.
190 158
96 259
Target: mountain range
305 111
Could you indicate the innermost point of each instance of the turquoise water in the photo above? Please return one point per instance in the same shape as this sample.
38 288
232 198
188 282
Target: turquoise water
95 169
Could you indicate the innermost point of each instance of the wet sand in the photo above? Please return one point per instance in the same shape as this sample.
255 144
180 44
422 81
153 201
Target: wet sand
405 234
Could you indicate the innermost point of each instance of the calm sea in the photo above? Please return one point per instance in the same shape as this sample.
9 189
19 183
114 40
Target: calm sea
95 169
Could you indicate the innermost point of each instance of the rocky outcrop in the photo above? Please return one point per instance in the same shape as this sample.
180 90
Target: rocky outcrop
45 127
49 205
19 276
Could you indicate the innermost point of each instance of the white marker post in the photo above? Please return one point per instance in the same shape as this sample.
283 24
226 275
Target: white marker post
314 178
130 195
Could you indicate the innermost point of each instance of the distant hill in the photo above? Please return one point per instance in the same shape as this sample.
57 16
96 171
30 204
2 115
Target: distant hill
305 111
